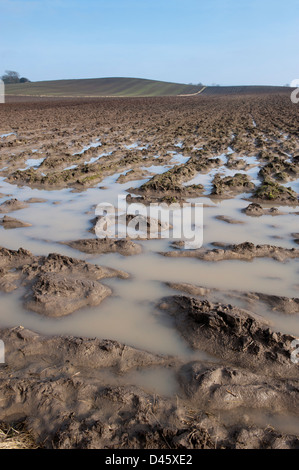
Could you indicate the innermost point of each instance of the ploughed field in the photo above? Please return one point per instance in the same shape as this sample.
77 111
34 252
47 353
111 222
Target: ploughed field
142 343
111 86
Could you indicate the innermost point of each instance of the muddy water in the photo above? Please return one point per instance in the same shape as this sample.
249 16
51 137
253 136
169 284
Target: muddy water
283 422
129 315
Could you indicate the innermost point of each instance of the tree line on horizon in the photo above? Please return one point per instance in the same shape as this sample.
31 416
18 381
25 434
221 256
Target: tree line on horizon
10 76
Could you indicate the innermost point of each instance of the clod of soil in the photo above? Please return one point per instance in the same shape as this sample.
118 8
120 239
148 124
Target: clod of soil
236 336
230 185
296 237
56 285
256 210
223 387
244 251
77 408
106 245
272 191
12 205
229 220
36 200
280 304
10 222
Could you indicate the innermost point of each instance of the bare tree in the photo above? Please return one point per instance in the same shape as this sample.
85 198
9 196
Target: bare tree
11 76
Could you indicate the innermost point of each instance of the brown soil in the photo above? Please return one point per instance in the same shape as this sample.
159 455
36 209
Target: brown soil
229 220
57 387
56 285
9 223
59 129
281 304
256 210
12 205
74 392
106 245
236 336
244 251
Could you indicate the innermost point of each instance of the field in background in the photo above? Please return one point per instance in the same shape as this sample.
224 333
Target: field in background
241 90
101 87
97 87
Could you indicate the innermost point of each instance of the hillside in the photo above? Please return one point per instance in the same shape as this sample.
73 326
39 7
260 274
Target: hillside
101 87
244 90
97 87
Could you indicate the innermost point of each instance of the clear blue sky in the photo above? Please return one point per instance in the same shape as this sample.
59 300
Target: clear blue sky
229 42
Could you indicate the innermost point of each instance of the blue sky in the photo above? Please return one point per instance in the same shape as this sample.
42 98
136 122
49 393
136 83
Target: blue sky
227 42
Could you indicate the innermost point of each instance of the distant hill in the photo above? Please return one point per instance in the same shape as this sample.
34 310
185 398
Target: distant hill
101 87
245 90
97 87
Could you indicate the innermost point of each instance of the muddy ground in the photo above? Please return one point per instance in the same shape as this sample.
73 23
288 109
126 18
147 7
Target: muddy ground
65 137
237 385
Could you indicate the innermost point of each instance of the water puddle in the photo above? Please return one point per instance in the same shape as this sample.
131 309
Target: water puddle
87 147
2 136
179 144
72 167
136 146
130 314
283 422
33 163
156 169
95 159
179 159
206 179
294 185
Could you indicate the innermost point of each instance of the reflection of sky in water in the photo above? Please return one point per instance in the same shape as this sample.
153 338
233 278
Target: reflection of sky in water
2 136
87 147
157 169
179 144
72 167
95 159
178 158
136 145
294 185
32 163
